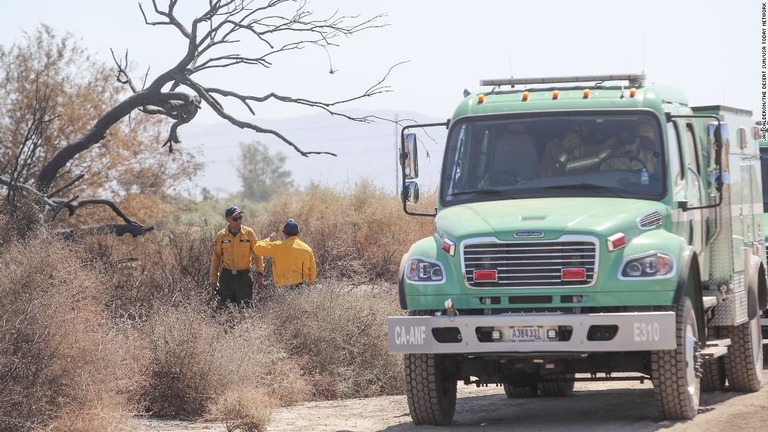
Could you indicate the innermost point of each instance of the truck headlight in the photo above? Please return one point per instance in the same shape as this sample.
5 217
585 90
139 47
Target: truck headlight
424 270
654 265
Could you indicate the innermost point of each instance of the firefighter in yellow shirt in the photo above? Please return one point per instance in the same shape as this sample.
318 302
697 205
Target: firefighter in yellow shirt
231 261
293 262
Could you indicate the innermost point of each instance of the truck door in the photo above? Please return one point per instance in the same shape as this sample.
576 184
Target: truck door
695 188
750 190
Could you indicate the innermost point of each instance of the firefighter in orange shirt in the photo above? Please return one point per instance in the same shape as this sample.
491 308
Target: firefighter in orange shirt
293 262
231 261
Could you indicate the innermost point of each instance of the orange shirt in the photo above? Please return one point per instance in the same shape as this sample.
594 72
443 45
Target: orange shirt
293 261
234 252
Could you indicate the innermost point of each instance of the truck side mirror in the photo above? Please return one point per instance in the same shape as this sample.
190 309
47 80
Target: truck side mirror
718 134
411 192
409 158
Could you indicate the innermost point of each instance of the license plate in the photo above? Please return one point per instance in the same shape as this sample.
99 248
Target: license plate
528 334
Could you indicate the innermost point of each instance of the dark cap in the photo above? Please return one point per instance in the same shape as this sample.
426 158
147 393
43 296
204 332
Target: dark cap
232 211
291 228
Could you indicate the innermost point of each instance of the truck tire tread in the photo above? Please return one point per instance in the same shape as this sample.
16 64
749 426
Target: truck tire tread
670 370
563 387
431 400
744 365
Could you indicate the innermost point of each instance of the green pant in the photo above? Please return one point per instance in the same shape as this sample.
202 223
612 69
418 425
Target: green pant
236 288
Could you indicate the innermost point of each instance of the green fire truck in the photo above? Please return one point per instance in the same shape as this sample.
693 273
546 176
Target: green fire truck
586 228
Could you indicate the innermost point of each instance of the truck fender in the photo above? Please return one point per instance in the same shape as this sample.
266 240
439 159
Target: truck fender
401 284
757 297
689 264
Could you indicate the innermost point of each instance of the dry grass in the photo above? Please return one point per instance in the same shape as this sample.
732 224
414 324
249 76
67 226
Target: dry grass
62 366
104 326
358 236
197 356
338 334
249 410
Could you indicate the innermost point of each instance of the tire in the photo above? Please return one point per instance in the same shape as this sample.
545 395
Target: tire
744 361
561 386
713 375
675 373
523 392
431 396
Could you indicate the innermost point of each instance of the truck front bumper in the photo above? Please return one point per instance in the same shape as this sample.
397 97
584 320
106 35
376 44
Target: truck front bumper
532 333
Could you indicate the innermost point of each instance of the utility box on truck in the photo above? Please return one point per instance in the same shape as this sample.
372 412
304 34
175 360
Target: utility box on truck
587 228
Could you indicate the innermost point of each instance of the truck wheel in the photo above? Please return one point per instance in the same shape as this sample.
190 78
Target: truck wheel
713 375
513 392
744 361
431 396
561 388
676 384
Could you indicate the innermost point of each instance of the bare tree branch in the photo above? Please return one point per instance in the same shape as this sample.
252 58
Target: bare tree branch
67 185
229 20
227 34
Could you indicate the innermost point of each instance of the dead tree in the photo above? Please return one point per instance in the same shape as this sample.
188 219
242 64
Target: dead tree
229 34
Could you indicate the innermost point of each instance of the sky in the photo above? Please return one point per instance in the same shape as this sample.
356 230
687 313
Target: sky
709 49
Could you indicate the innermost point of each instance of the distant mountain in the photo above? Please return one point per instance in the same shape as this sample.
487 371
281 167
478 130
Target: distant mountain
364 150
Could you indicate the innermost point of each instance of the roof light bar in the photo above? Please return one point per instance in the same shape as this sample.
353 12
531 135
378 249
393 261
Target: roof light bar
636 80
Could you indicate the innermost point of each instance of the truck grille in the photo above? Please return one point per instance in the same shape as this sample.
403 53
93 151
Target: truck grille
530 264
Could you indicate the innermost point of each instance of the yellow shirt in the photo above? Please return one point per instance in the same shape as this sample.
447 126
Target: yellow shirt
293 261
234 252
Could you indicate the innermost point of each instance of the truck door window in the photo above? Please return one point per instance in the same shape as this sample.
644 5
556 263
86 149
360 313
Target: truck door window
456 178
693 152
677 169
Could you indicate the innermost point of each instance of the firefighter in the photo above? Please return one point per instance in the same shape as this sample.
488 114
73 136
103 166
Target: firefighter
231 261
293 262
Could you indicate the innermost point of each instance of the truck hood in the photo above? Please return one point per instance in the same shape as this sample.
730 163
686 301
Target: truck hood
543 218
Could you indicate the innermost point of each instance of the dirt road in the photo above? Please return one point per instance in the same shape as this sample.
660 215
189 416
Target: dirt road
594 407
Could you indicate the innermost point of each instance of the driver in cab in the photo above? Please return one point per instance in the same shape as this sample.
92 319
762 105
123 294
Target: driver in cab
630 152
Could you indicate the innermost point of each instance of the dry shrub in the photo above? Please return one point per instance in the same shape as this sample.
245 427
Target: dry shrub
167 267
247 410
251 355
97 327
196 357
62 367
338 334
182 375
358 236
19 220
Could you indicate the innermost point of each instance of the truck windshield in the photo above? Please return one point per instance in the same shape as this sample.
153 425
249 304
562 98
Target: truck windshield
575 155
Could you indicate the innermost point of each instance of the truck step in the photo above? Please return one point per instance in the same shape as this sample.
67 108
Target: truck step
715 348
